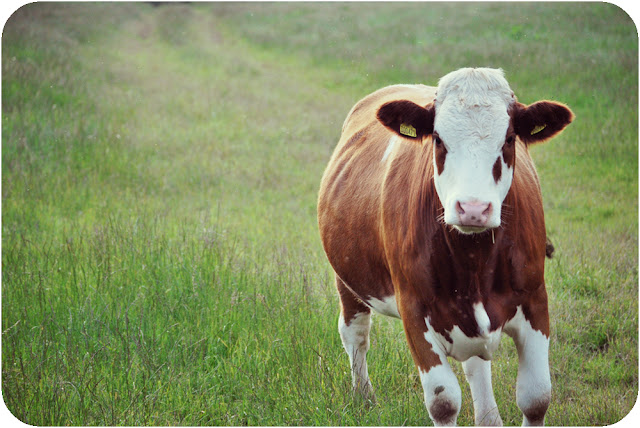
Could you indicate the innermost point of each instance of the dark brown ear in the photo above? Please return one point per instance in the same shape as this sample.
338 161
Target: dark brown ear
407 118
540 121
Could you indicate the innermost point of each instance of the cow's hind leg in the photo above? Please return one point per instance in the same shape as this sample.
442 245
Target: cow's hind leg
354 325
478 374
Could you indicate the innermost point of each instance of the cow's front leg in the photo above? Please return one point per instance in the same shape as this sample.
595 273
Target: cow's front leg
442 395
485 409
533 390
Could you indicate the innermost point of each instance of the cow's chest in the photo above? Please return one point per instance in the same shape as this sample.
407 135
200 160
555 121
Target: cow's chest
454 342
458 345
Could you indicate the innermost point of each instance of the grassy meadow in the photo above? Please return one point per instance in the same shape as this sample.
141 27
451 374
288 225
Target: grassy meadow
161 263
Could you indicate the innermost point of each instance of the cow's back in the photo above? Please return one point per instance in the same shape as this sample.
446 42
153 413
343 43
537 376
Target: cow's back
349 204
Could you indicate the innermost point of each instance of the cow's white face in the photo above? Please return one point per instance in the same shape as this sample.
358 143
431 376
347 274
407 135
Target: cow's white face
473 124
473 143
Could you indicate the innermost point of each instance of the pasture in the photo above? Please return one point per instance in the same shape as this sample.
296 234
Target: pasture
161 263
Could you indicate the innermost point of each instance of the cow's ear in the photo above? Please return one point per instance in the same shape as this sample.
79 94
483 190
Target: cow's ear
540 121
407 118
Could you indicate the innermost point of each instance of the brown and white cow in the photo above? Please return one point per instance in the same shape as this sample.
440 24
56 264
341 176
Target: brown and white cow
430 211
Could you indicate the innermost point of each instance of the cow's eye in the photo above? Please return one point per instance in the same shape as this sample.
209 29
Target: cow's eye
437 140
510 140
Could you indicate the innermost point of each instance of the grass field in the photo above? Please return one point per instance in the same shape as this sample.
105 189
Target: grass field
160 257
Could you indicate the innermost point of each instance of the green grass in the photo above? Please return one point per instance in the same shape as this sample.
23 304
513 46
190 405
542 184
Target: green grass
161 263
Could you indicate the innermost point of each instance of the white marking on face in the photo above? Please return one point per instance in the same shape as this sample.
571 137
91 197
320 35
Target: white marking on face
392 142
386 306
472 121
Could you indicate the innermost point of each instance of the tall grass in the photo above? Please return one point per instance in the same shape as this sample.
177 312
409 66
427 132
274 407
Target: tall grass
160 258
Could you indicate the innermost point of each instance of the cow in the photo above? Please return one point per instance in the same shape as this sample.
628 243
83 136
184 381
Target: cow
430 211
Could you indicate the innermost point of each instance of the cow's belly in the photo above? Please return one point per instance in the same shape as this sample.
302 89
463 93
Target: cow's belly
385 305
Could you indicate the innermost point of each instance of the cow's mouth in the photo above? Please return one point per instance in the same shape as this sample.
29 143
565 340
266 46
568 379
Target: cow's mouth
468 230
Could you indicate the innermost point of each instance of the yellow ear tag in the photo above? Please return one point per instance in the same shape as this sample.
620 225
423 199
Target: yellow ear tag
537 129
408 130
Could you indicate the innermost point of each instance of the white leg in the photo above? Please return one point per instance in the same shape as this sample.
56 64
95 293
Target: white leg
355 339
533 389
485 409
442 394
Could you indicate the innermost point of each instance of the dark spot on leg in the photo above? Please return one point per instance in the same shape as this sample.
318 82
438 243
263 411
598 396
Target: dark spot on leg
536 410
438 390
443 411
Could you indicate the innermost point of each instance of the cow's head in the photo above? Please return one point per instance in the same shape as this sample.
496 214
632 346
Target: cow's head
473 124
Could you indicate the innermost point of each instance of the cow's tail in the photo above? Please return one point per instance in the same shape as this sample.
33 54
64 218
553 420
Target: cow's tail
550 248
